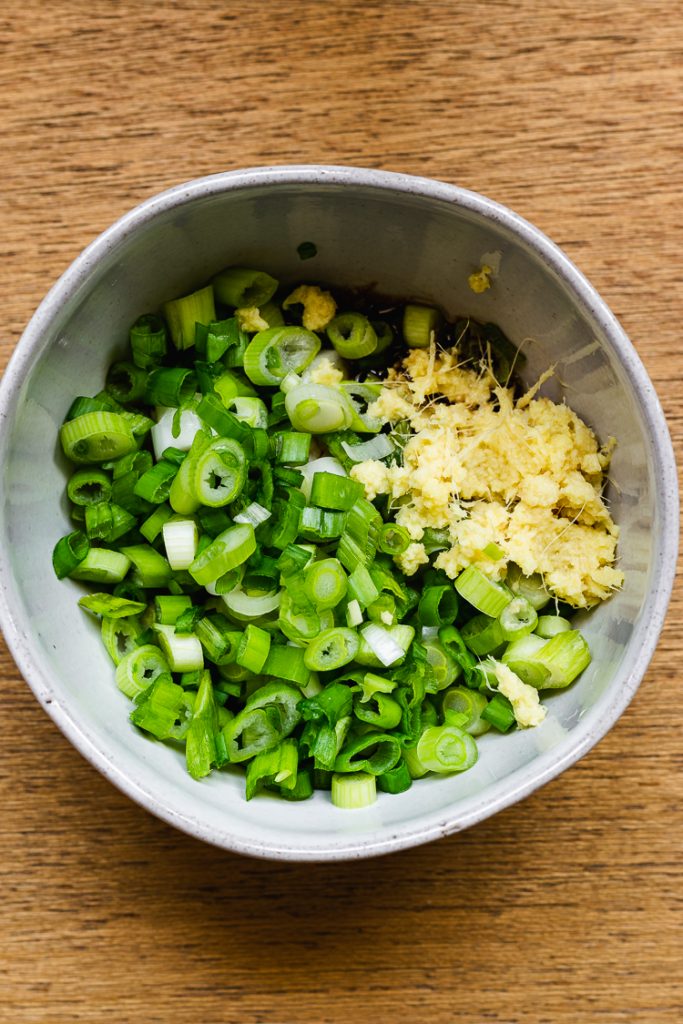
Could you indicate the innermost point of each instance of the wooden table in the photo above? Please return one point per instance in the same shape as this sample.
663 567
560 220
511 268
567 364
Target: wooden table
566 908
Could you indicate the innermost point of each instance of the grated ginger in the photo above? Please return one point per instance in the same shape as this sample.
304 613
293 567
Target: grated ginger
319 306
249 319
526 705
524 475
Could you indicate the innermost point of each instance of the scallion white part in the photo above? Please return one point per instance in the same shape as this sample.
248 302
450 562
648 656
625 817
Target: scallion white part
251 606
183 650
180 540
382 644
375 448
162 431
354 615
326 464
254 514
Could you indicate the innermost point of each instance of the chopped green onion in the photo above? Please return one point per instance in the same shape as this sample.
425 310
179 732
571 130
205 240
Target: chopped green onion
498 712
384 610
221 337
155 484
332 649
394 540
251 411
277 351
329 490
170 386
375 753
376 449
148 340
318 524
101 565
445 749
159 707
168 607
291 448
107 522
383 643
180 541
290 381
444 666
139 669
89 487
386 713
212 521
285 699
352 335
201 751
362 587
294 558
254 514
453 642
69 552
283 527
483 635
316 408
438 605
150 569
464 707
220 473
493 551
126 382
241 287
396 780
419 325
251 732
228 550
285 662
120 636
360 396
521 657
325 465
253 649
182 315
279 766
517 619
97 437
153 525
481 592
353 792
531 587
549 626
325 583
360 538
112 607
219 640
183 651
354 614
565 656
435 540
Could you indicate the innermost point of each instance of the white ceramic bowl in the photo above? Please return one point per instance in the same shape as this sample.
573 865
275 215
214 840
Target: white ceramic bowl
410 237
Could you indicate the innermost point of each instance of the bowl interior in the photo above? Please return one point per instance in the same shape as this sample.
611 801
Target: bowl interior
405 243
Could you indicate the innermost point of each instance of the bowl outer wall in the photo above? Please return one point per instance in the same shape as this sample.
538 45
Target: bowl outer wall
506 790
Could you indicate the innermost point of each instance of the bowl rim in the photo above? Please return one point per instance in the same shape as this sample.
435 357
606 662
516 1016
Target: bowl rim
521 782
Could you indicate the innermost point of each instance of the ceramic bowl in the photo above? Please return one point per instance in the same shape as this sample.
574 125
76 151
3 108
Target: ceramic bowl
406 236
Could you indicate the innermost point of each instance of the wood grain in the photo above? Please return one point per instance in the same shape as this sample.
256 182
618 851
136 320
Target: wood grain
562 910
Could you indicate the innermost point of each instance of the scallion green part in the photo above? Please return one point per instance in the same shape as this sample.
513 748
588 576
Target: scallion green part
183 314
420 324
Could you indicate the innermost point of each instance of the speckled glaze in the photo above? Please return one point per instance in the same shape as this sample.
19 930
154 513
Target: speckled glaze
408 236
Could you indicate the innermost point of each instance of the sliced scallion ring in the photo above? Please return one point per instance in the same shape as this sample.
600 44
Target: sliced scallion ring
277 351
